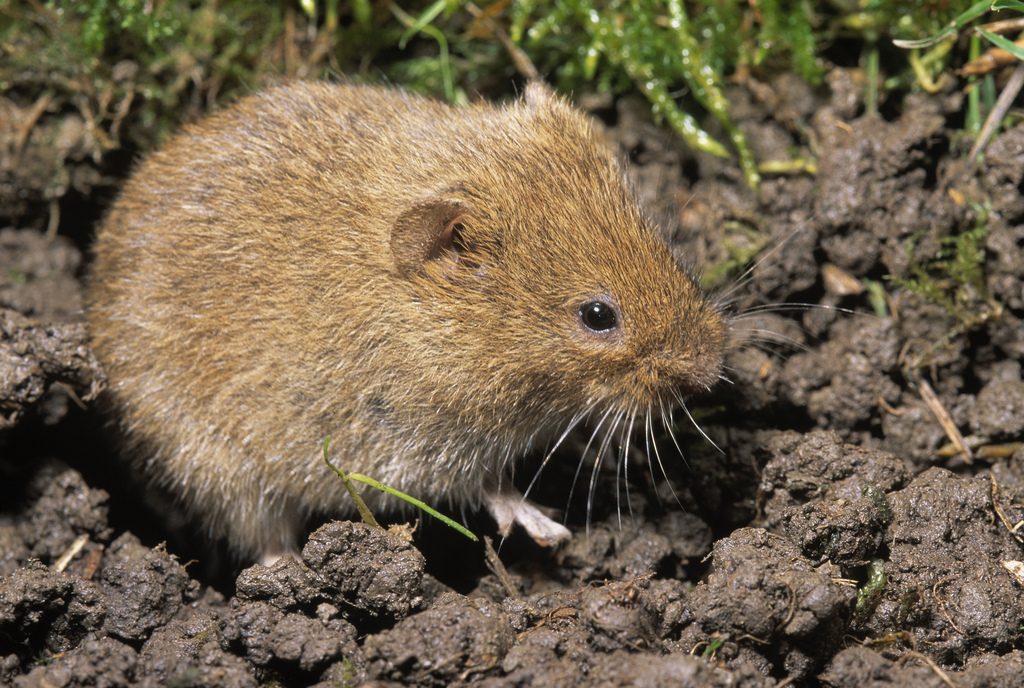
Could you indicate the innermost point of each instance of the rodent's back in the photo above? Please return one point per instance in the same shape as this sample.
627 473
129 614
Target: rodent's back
328 259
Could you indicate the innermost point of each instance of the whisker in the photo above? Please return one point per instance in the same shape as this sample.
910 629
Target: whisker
649 439
597 463
794 307
547 457
727 297
579 466
620 467
624 461
763 336
672 435
657 455
747 275
576 420
745 328
670 427
699 428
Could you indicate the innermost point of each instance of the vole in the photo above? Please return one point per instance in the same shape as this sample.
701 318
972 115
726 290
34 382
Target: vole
440 289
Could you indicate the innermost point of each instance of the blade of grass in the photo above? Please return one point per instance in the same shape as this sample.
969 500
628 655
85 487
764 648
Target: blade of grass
1004 43
415 502
364 511
972 13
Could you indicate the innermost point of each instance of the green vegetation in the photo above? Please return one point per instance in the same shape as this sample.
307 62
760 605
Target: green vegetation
364 511
135 69
955 280
628 44
932 68
115 62
869 596
714 646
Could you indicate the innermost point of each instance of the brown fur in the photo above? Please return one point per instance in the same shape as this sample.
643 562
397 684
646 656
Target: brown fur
285 269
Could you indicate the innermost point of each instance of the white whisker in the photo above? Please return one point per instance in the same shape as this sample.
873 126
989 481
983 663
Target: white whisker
747 275
755 336
699 428
657 455
547 457
624 461
672 435
792 308
583 456
597 463
649 439
576 420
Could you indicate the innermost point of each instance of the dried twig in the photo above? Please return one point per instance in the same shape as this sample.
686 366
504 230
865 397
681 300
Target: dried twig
519 58
999 110
942 605
942 415
999 512
71 553
935 667
499 570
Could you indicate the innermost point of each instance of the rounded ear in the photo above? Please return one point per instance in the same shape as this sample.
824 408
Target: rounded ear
539 94
429 230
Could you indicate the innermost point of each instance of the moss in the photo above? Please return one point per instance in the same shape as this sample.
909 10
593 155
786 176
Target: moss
135 69
955 280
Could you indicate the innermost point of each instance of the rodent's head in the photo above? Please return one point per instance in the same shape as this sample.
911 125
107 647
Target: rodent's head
545 282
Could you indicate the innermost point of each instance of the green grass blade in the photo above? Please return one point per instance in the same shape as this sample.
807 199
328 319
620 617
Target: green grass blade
415 502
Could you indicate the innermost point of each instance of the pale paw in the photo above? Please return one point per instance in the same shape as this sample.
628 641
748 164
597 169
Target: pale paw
508 506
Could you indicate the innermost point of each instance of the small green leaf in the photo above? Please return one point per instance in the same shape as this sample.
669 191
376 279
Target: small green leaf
415 502
1004 43
972 13
364 511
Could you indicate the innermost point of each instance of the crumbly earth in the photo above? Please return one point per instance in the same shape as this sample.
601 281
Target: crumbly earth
831 538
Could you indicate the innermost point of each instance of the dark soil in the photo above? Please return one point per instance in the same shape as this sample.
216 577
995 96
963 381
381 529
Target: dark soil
833 540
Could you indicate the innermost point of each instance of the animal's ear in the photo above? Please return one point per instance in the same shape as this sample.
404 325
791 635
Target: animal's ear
431 230
539 95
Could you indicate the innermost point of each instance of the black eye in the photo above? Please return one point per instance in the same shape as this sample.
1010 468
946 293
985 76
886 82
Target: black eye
598 316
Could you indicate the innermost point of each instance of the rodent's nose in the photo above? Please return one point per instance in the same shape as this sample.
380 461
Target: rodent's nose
696 373
660 373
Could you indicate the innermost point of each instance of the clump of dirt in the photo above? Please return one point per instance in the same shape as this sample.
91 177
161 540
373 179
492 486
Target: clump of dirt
64 509
833 539
761 587
828 498
36 357
43 158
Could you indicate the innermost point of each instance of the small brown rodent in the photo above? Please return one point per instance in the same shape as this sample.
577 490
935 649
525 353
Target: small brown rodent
441 290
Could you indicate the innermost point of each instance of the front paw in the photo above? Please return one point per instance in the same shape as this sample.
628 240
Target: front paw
508 506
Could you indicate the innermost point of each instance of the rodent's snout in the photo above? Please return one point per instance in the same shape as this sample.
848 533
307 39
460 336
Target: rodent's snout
681 377
699 378
688 362
661 377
